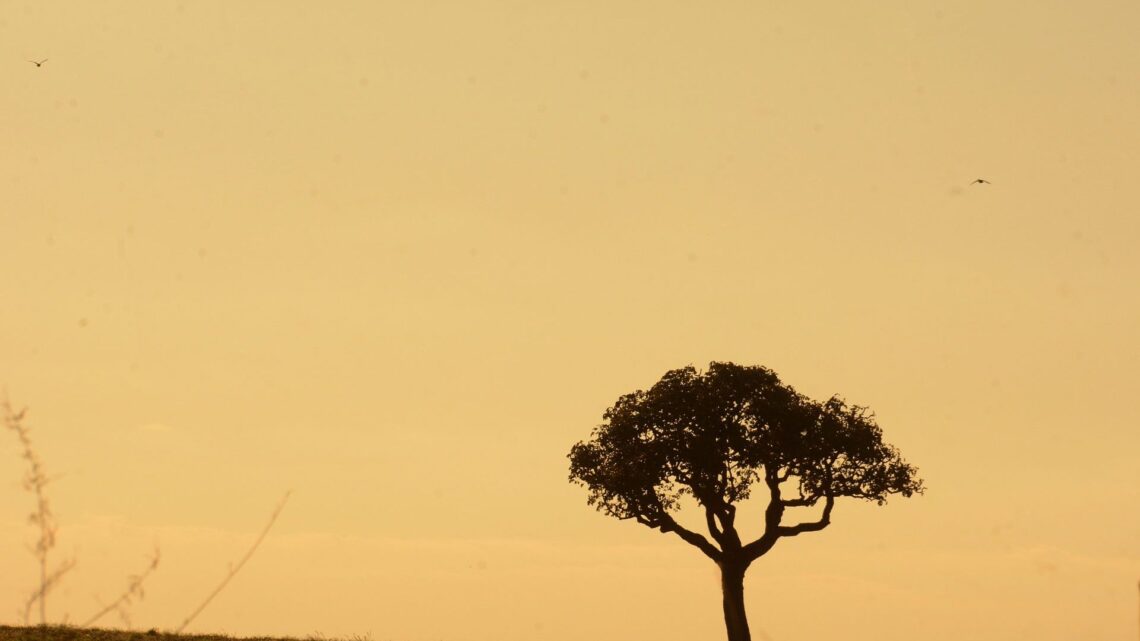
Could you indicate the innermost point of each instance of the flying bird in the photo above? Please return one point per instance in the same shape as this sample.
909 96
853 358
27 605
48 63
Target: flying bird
39 63
981 181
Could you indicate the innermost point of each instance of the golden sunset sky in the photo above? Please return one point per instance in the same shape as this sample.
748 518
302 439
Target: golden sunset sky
400 256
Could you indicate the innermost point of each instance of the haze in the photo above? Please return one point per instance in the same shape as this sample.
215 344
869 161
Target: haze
399 257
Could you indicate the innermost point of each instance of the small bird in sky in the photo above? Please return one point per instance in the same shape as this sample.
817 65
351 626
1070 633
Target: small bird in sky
980 181
39 63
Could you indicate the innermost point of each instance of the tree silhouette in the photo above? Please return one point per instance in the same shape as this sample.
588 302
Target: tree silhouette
711 436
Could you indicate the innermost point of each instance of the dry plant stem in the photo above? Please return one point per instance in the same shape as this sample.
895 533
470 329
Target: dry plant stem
35 480
234 569
47 582
134 590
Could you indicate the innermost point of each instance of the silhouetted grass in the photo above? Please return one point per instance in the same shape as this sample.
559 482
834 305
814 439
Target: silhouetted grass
133 592
68 633
35 482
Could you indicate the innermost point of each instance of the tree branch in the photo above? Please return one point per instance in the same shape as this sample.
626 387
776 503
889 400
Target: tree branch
801 500
815 526
772 516
666 523
775 510
710 520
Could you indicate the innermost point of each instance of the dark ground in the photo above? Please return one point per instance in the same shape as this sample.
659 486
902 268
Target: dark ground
65 633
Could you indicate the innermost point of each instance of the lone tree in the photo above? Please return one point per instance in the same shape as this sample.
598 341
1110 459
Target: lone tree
713 435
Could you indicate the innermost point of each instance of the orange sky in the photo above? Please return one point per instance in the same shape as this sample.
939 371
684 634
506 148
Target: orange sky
400 256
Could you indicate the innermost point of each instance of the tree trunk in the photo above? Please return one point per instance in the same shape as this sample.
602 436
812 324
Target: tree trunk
732 583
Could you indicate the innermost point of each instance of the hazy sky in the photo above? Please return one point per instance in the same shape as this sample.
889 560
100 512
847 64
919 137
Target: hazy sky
399 257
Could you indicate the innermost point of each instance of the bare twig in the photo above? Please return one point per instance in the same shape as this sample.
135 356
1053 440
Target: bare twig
35 480
234 569
47 583
134 591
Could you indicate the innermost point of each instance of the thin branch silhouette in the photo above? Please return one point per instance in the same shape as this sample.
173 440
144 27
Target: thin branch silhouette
234 569
47 582
134 591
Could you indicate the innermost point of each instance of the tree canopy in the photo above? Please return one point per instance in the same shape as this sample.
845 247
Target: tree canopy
715 435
